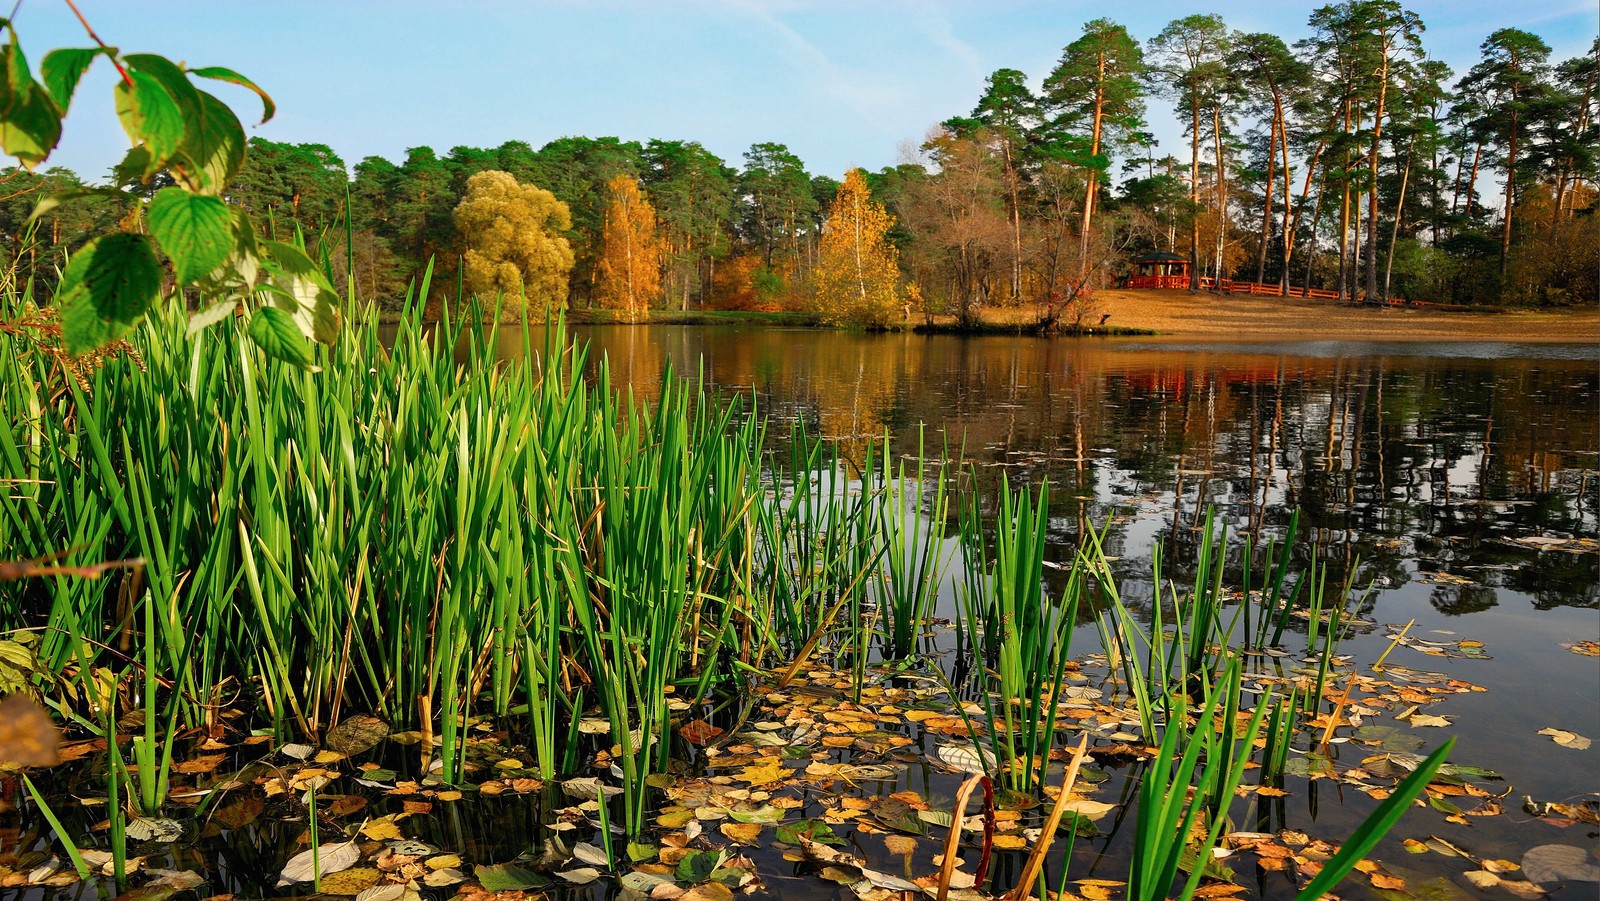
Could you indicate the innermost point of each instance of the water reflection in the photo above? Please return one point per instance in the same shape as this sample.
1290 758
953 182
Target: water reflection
1404 460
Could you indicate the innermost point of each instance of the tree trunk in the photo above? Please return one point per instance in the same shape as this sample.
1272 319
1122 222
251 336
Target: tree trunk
1472 179
1372 171
1399 212
1316 216
1266 206
1292 225
1094 174
1511 182
1344 218
1194 192
1222 194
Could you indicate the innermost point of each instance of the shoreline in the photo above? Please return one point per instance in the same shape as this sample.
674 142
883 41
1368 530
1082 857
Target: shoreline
1178 316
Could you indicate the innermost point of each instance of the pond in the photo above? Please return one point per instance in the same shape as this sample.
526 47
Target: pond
1454 488
1456 485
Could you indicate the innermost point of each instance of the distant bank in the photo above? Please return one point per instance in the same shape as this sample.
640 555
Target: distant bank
1179 314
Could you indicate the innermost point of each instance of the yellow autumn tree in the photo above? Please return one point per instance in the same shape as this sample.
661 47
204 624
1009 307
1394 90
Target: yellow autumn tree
515 242
857 276
628 274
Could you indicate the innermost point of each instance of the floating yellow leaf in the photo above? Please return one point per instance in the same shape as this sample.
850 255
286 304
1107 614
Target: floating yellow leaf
743 833
350 882
761 774
1567 739
382 829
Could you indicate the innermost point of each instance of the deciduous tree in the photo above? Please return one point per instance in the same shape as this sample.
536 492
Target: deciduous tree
628 272
515 246
857 276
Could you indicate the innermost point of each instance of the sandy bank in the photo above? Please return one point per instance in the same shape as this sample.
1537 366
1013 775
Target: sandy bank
1181 314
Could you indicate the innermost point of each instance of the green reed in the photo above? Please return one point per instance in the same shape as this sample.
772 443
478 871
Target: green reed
1020 634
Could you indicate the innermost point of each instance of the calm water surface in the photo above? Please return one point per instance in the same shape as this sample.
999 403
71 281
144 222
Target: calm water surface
1402 460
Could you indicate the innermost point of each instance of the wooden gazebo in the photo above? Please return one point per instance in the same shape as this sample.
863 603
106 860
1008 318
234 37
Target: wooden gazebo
1159 270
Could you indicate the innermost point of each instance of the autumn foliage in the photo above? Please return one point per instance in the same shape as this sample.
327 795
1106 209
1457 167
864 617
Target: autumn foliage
514 240
628 274
857 278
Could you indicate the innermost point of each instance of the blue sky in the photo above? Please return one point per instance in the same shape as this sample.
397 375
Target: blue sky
842 83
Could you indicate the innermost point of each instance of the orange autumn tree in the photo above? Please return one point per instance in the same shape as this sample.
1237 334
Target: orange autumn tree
628 275
857 276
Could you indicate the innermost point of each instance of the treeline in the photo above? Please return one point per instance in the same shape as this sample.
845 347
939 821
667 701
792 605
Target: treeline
1347 161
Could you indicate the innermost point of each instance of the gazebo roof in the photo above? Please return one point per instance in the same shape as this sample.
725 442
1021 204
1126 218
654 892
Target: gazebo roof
1160 256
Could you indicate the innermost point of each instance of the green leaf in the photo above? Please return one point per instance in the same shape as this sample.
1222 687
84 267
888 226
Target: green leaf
213 149
30 125
200 320
507 877
151 117
696 866
1375 826
303 292
109 283
269 109
814 830
275 332
61 71
171 77
235 280
195 230
19 78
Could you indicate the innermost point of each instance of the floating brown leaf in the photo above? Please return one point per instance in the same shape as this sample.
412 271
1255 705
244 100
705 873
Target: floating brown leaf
28 737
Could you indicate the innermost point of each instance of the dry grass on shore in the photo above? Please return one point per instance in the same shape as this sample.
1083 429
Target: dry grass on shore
1181 314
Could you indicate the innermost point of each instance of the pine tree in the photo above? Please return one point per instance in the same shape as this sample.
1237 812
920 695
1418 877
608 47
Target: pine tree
857 277
628 274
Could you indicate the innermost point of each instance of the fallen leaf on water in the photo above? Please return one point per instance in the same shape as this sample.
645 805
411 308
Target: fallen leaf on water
322 860
382 829
1482 878
699 732
1567 739
28 737
761 774
1094 810
588 788
590 853
967 758
1382 880
389 891
446 876
743 833
580 876
507 877
356 734
353 881
1427 719
154 829
903 845
1559 863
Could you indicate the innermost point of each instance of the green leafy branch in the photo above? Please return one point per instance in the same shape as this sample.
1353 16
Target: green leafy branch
185 135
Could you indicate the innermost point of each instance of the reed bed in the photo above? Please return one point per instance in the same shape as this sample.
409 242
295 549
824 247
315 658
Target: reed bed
424 531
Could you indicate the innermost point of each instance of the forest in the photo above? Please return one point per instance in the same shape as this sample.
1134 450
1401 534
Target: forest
1347 161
